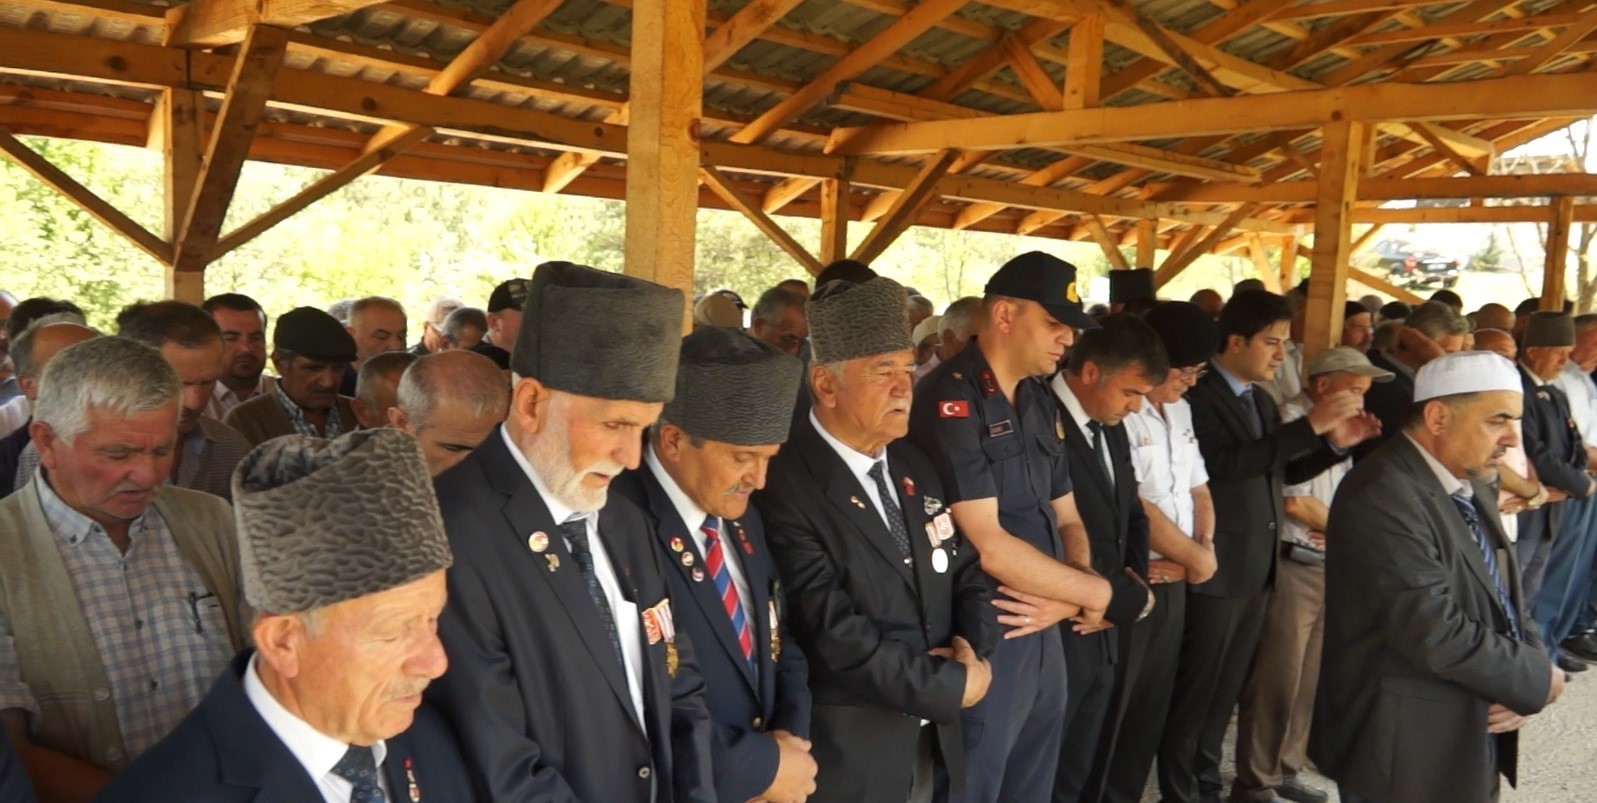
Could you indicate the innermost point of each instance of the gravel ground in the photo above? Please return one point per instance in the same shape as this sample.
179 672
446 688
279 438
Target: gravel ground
1557 754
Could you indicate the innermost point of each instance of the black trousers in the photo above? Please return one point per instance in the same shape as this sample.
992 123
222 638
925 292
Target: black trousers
1142 692
1217 645
1090 690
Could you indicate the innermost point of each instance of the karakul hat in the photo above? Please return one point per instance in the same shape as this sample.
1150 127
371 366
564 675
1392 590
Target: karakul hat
849 320
734 389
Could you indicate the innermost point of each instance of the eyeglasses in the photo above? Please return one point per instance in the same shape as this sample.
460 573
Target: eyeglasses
1193 374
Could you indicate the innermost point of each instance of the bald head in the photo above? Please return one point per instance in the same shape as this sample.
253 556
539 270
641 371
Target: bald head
1495 316
36 346
1497 341
451 401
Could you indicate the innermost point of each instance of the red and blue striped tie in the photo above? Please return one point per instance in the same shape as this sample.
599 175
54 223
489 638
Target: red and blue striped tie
715 559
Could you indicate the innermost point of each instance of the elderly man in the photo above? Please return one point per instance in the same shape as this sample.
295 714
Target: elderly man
919 309
310 350
121 598
325 705
243 326
989 426
1430 330
1494 316
1517 489
1431 661
377 324
778 319
1210 301
377 387
1278 701
956 326
16 412
432 326
1568 582
1358 327
451 401
889 601
34 348
569 680
464 329
927 341
704 458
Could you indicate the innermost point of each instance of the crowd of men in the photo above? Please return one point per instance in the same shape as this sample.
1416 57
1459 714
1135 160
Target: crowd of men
849 549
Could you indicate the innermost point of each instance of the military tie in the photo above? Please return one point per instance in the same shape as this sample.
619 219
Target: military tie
895 516
715 560
359 767
1251 406
576 532
1477 528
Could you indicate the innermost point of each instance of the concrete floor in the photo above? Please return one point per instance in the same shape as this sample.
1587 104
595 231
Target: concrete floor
1558 752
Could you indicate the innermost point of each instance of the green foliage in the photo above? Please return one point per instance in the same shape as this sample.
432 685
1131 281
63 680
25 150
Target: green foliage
1490 257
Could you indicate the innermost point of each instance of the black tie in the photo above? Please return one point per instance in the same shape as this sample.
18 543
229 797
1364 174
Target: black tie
895 516
576 532
1477 528
359 767
1100 449
1251 408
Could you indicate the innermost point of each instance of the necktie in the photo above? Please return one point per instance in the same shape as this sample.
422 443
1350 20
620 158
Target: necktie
715 559
1251 405
1101 450
576 532
1477 528
895 516
359 767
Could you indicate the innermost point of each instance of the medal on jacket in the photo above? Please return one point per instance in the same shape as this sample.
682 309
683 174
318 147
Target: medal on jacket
658 626
776 631
410 780
940 560
743 538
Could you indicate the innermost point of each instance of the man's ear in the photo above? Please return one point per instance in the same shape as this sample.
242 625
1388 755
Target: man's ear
398 420
528 404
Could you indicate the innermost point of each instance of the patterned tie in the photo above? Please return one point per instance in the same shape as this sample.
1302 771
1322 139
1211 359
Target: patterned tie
359 767
715 559
1472 517
895 516
1251 405
576 532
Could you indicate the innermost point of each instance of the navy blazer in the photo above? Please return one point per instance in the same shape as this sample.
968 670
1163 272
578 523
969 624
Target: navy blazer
534 690
223 752
743 703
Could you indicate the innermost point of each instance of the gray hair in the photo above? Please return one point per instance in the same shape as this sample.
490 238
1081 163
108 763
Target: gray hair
340 310
460 319
1436 320
387 366
371 302
22 345
459 378
773 302
960 317
1585 322
440 308
919 304
110 373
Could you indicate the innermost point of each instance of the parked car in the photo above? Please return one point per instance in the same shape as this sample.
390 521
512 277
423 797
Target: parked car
1408 266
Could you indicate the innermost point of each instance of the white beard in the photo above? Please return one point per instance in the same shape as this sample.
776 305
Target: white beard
550 456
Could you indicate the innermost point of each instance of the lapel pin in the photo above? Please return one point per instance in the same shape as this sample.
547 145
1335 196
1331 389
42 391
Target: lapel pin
743 539
554 561
538 541
687 558
410 780
698 575
676 544
932 505
857 502
909 486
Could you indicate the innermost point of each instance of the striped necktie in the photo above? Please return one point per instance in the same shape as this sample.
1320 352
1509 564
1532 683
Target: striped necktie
715 559
1477 528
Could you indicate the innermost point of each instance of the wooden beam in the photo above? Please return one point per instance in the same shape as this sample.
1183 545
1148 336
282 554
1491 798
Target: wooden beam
1363 240
1381 285
1084 72
490 45
1342 155
663 168
177 131
1288 268
1455 30
1166 161
1147 241
1475 167
84 198
1261 263
1533 213
770 228
1172 267
1388 189
903 30
742 28
566 168
213 23
834 220
1031 74
248 87
972 70
1173 50
905 207
1111 249
1555 47
1557 254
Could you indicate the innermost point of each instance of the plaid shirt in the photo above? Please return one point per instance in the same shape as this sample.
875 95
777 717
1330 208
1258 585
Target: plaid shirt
159 631
297 416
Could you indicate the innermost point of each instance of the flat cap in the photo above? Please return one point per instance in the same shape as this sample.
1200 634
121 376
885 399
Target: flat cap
1190 335
734 389
1349 359
324 521
849 320
313 333
1047 280
1131 285
1549 329
598 334
717 309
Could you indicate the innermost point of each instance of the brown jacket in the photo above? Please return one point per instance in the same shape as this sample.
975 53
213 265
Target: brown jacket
263 418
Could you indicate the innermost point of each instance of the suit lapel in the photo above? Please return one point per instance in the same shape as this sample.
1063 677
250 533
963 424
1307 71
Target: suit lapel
1486 495
1457 528
248 753
1220 390
399 771
1081 444
741 548
920 545
845 493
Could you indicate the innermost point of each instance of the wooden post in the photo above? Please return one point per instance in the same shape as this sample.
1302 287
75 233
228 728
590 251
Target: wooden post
177 128
1289 263
834 220
1147 241
1562 213
1341 165
662 141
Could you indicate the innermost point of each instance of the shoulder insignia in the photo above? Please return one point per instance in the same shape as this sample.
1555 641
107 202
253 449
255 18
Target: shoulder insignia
989 383
953 409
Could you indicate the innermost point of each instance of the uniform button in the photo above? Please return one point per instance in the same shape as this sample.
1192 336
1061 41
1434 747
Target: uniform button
643 772
758 723
112 754
102 694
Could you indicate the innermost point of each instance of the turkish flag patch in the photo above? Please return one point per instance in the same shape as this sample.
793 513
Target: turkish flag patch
953 409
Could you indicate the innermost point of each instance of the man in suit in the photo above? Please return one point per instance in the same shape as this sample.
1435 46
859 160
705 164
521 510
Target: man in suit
704 458
986 421
1111 369
887 598
451 401
1250 456
1431 661
569 681
310 351
1553 444
343 555
1430 330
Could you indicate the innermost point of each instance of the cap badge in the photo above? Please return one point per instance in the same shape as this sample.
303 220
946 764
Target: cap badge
1070 293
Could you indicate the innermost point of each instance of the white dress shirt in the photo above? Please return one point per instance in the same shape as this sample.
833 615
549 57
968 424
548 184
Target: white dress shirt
859 465
14 414
1582 393
223 398
1165 456
1321 487
629 623
1079 415
1451 485
317 752
693 516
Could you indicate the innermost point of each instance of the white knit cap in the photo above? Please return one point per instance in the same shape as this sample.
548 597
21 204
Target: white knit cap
1466 372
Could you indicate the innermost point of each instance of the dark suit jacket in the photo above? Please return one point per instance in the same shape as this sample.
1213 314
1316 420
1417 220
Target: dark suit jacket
1117 526
262 418
1246 478
224 752
1387 401
1417 646
743 704
534 690
866 620
11 447
1551 440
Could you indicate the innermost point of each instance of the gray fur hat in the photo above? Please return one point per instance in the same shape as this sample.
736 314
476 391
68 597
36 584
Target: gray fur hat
1549 329
321 522
599 334
850 320
734 389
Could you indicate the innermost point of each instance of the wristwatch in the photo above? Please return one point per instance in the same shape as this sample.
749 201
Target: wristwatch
1538 500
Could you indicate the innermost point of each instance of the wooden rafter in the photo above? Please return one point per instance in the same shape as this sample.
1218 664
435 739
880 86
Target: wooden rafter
1387 189
212 23
83 197
770 228
1562 213
742 28
905 208
1175 51
1475 167
1032 76
1555 47
834 219
1175 264
1084 72
1111 249
988 61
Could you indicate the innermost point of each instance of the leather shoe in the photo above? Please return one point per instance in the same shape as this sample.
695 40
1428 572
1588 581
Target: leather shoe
1571 665
1299 792
1583 646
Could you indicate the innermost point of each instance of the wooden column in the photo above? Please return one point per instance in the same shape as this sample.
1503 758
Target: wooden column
1341 165
177 129
663 141
834 220
1288 274
1147 241
1562 214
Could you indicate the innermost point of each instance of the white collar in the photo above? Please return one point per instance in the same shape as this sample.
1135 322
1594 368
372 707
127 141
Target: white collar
1533 377
317 752
558 510
692 515
1072 404
1451 484
858 462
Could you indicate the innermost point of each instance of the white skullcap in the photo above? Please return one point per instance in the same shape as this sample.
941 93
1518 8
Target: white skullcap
1466 372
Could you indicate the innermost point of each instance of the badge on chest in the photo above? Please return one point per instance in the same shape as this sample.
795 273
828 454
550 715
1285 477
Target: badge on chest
939 531
658 626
